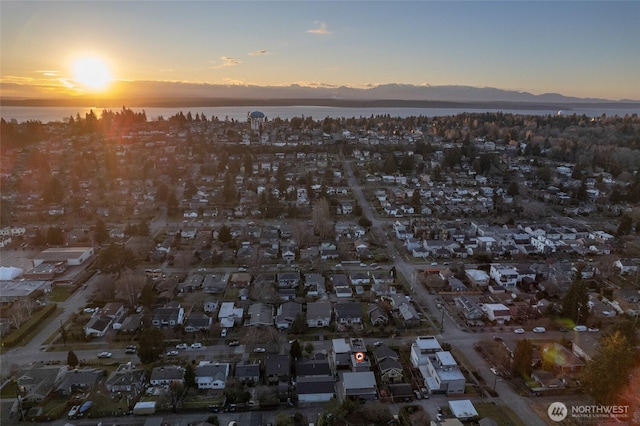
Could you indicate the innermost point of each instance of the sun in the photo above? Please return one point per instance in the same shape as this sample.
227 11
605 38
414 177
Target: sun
91 73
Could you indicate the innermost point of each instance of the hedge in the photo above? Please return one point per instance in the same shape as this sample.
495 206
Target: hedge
34 322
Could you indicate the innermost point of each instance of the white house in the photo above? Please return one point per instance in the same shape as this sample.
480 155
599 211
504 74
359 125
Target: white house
211 375
497 312
504 276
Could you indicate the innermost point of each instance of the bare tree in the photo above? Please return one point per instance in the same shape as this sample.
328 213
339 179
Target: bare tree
28 305
17 315
321 217
129 287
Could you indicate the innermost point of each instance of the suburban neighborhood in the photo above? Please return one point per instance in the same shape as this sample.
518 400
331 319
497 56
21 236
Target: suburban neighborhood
460 270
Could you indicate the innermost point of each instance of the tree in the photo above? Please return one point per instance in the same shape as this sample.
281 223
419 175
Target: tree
100 233
513 189
296 350
72 359
55 191
224 235
213 419
308 348
522 358
115 258
190 376
321 217
151 345
607 373
626 223
55 237
575 301
365 222
299 325
176 392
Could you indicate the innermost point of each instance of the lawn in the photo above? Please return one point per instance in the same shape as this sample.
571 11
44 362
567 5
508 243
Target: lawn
10 390
501 414
60 294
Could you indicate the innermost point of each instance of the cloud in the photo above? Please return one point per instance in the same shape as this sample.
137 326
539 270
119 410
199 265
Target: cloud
321 29
259 52
49 73
226 62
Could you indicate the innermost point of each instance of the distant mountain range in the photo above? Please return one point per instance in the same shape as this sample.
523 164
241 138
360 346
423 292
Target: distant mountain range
160 93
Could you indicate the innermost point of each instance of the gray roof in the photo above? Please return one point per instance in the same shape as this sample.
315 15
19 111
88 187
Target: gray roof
168 372
314 385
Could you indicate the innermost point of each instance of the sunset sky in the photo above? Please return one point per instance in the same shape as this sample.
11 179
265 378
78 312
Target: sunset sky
576 48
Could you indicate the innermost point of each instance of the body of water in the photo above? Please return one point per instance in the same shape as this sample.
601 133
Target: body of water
48 114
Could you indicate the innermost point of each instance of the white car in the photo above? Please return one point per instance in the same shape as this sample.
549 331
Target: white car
580 328
378 343
259 350
104 355
73 410
593 329
181 346
519 330
89 310
539 330
172 353
196 345
495 371
223 333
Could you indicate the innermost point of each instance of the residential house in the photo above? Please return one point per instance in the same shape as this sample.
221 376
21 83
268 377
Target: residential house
318 314
211 375
360 385
286 314
127 378
197 321
318 366
442 374
315 389
247 373
36 383
260 314
277 369
214 283
228 314
97 326
166 375
348 313
389 366
497 312
360 278
377 315
477 277
79 380
423 349
288 279
168 316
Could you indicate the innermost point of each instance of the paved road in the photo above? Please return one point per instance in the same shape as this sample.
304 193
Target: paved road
461 339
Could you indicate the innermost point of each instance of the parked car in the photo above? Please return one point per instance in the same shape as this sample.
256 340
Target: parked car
104 355
580 328
196 345
259 350
417 394
73 410
234 343
223 333
495 371
181 346
593 329
89 310
378 343
539 330
131 349
519 330
425 393
172 353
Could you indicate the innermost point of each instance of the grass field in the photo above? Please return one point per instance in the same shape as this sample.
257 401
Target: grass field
60 294
10 390
503 416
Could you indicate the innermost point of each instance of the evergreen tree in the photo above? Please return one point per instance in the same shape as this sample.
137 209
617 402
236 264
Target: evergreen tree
522 358
151 345
72 359
575 301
